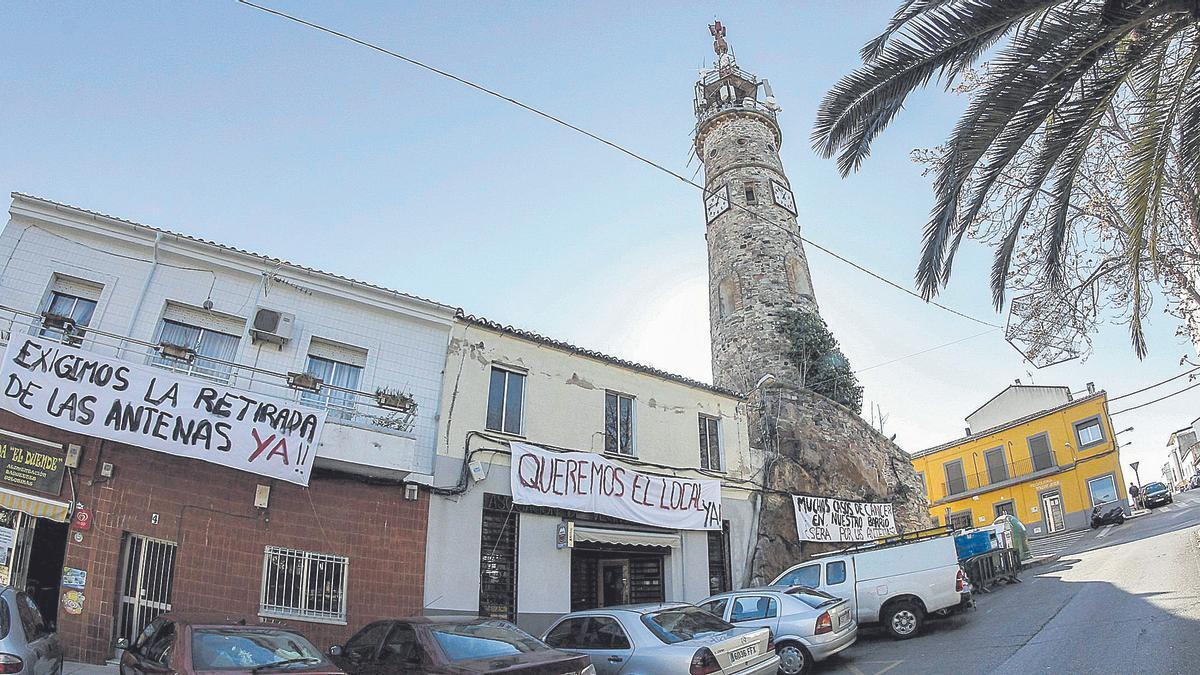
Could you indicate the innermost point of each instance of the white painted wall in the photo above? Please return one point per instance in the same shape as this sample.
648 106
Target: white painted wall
404 337
564 408
1016 402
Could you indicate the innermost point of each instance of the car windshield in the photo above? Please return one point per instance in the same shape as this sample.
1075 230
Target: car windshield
484 640
1156 487
812 597
246 648
679 624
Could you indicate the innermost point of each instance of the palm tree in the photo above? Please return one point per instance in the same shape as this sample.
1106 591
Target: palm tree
1061 67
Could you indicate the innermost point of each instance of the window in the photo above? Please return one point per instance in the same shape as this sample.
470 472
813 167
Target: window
718 559
31 619
506 401
716 607
365 644
1004 509
594 632
997 467
340 404
812 597
1089 432
211 347
401 649
498 562
808 576
710 443
1102 489
835 573
618 424
751 197
956 480
961 521
304 585
1040 453
753 608
78 310
680 624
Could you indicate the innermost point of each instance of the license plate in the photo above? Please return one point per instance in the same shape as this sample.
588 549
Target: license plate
743 652
843 619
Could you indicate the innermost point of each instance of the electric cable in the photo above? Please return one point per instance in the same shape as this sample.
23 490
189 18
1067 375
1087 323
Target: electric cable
611 144
1156 384
1161 398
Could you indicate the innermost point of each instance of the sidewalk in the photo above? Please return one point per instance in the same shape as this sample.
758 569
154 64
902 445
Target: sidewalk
72 668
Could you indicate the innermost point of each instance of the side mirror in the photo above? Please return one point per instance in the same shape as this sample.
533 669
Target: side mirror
122 643
335 650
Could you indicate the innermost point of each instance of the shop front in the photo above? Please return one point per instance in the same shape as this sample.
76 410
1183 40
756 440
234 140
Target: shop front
33 518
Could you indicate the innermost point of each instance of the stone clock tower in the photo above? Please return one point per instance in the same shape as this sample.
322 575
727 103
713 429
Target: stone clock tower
756 262
756 271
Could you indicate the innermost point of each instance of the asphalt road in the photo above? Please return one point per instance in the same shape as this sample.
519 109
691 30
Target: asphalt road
1124 599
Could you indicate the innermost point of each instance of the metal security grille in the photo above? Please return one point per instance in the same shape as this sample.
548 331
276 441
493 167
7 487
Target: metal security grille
498 560
304 584
718 560
147 576
646 579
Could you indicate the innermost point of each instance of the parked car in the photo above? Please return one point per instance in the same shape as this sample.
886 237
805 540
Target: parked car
808 625
188 644
898 585
1156 494
660 638
27 645
450 646
1194 482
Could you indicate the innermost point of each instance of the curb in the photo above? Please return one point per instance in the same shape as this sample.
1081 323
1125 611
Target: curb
1040 561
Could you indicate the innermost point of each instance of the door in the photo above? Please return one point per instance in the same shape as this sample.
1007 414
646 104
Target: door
401 653
837 580
600 637
147 578
1053 509
43 643
360 656
613 583
757 611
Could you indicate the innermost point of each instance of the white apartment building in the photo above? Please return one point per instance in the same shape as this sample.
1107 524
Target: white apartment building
532 563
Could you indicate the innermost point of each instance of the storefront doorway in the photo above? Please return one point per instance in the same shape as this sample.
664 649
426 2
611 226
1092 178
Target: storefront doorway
613 575
1053 509
35 562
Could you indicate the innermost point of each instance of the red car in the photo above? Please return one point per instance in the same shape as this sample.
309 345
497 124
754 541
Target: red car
194 644
445 646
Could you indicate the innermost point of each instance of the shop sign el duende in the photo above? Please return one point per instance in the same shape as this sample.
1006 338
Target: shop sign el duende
31 467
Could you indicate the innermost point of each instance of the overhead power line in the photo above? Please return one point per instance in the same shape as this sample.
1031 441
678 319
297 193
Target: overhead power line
615 146
1162 398
1156 384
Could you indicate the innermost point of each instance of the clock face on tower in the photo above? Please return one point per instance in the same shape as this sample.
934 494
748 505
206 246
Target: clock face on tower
783 197
716 203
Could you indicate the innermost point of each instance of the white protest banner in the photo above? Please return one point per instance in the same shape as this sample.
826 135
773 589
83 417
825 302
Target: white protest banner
585 481
838 520
152 408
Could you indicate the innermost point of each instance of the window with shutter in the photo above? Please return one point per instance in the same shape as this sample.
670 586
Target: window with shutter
997 466
1040 453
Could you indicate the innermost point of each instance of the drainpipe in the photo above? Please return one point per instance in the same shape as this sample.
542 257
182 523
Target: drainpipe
137 308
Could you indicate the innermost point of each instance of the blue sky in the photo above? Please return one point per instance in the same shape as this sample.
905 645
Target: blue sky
220 121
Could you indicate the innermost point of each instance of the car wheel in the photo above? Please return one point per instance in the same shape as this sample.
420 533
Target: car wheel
794 659
903 620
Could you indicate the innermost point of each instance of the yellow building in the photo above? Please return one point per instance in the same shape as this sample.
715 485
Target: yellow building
1040 454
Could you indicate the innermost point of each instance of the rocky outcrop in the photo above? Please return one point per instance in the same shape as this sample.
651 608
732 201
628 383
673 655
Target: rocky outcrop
814 446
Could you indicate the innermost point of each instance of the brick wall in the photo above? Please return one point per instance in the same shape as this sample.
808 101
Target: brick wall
208 511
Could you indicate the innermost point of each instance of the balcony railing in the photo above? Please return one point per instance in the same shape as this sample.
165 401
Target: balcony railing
1012 470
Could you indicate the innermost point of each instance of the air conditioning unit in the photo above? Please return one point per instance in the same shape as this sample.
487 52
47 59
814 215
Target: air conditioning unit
271 325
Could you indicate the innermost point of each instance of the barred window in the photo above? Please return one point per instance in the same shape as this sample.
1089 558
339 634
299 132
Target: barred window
304 585
710 443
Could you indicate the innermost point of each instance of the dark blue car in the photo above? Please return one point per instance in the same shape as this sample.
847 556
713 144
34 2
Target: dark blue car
1156 494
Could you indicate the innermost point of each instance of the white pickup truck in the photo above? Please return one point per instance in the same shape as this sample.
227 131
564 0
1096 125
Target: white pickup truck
896 584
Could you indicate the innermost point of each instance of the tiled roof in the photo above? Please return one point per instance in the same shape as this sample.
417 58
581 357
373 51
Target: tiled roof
1008 425
566 346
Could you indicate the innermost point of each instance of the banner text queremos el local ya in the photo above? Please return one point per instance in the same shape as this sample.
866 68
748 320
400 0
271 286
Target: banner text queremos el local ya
87 393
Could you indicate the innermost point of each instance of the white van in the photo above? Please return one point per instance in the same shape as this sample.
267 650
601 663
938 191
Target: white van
896 584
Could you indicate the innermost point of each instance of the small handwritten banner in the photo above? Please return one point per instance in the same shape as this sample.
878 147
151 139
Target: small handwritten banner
586 481
85 393
838 520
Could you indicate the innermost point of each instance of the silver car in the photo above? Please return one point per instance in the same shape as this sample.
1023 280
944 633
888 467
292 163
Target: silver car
808 625
654 639
27 645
